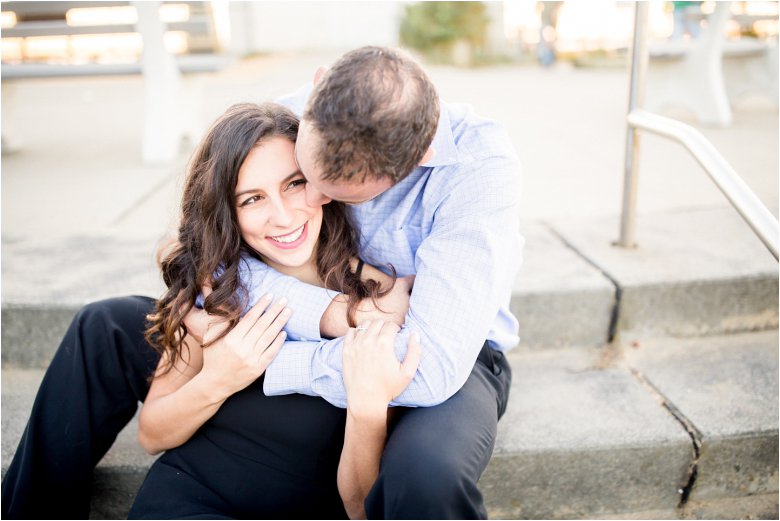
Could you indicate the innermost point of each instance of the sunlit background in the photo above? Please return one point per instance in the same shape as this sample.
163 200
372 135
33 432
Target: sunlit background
241 28
554 73
111 47
609 25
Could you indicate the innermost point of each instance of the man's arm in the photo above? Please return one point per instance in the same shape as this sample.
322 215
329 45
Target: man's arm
465 269
321 313
390 308
308 302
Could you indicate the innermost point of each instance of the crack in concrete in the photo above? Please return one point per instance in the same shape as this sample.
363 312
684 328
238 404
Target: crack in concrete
613 319
686 424
141 200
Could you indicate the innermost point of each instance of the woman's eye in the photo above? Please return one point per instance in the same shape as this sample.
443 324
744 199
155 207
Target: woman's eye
296 183
251 200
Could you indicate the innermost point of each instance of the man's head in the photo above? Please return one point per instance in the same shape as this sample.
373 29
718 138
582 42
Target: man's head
369 122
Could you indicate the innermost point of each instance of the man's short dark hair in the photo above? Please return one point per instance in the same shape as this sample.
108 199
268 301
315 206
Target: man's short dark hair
375 112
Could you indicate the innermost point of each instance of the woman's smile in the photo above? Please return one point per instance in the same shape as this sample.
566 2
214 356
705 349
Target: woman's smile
291 240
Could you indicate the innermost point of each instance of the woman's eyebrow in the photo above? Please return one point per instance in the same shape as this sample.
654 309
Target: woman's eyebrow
253 190
249 191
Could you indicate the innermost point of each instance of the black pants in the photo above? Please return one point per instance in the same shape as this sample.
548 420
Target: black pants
433 459
90 391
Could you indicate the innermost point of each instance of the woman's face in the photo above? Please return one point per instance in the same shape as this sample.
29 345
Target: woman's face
270 199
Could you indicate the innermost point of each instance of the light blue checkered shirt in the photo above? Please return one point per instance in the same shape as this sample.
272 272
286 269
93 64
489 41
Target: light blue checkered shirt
454 224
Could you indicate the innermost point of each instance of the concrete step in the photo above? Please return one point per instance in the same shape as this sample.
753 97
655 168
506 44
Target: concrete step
623 431
620 430
119 474
694 273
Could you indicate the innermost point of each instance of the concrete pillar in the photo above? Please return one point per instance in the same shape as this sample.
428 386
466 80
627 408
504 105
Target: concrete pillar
12 140
162 131
495 39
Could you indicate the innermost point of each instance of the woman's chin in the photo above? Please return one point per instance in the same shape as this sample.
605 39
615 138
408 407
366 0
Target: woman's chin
292 260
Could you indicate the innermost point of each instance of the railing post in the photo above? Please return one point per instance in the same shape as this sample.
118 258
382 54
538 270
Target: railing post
639 58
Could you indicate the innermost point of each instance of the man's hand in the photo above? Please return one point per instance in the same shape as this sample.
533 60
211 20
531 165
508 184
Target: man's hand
393 307
390 308
198 322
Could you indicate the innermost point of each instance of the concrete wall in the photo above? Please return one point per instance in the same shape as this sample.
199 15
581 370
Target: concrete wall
327 25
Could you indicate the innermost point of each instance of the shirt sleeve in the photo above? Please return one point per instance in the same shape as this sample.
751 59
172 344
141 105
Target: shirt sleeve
307 302
296 101
465 268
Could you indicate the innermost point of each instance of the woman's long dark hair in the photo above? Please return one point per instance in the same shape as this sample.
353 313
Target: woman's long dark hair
209 245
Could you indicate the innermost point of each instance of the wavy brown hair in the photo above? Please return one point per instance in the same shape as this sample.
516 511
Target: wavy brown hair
209 246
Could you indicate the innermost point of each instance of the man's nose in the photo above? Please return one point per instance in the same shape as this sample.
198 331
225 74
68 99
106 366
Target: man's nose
314 197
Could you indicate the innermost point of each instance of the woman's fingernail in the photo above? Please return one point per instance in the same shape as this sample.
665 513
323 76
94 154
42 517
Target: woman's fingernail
268 296
286 311
282 302
416 336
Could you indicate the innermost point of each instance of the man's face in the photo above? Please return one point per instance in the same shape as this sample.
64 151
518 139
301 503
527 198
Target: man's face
319 191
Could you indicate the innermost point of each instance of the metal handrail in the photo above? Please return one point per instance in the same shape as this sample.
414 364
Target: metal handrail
725 177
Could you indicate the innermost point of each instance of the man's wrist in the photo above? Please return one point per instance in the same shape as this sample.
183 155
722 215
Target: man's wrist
333 323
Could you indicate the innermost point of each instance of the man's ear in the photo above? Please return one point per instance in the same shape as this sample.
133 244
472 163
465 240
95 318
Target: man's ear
319 72
428 155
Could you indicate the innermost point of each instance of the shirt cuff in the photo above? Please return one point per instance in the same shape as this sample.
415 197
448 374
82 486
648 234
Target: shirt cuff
290 370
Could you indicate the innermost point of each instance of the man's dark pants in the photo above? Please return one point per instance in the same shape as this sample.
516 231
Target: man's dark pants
430 467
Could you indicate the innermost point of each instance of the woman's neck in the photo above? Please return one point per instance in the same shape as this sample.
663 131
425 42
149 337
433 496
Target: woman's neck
306 272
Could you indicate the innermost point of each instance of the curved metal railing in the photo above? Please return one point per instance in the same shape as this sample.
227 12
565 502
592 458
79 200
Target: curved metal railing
733 187
726 178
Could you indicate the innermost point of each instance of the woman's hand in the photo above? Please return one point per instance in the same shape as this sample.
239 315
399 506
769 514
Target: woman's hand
372 374
183 399
239 358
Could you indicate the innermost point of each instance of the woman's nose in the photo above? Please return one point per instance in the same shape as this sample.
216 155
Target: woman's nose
283 213
314 197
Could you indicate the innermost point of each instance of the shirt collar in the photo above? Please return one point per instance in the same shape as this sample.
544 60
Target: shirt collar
443 142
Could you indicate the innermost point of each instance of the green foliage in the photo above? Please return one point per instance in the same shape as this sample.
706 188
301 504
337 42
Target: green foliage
436 26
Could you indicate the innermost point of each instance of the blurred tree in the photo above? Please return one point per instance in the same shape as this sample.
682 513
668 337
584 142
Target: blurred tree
441 29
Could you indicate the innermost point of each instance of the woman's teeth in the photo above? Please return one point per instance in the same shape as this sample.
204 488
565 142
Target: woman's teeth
290 237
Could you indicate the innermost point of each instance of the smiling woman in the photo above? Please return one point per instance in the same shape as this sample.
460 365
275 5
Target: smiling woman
273 215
